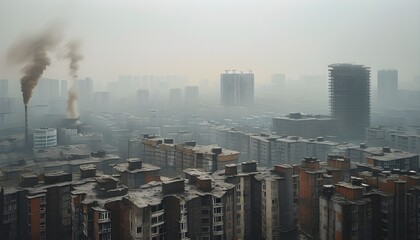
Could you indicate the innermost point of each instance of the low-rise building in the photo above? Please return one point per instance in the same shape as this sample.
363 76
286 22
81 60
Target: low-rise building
45 138
307 126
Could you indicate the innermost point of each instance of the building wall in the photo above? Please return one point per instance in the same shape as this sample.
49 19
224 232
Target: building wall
350 99
237 89
37 217
45 138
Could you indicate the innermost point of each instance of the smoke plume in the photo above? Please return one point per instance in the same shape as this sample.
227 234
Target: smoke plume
33 53
74 56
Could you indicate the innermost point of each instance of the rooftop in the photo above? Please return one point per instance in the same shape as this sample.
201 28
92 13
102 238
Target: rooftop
123 167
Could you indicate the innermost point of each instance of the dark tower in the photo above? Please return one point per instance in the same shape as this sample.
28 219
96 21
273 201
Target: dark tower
350 99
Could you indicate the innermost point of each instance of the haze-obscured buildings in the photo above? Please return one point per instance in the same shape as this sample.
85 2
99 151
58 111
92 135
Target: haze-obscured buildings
388 88
237 89
350 99
306 126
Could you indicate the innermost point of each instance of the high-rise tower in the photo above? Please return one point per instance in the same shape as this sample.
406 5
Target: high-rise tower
237 89
387 88
350 99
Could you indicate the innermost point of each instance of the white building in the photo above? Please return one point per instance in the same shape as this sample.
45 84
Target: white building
45 138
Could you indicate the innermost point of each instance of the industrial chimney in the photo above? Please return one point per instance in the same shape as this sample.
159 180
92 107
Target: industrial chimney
26 127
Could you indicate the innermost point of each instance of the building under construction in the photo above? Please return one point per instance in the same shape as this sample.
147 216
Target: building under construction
349 87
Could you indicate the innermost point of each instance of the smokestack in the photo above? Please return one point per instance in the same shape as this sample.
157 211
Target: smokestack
32 52
26 127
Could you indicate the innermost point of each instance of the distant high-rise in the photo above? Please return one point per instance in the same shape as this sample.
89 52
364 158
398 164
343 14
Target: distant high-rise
350 99
387 87
63 87
175 95
85 89
143 96
191 94
46 91
4 88
237 89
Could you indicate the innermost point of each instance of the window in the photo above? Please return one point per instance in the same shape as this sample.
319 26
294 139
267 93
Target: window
205 212
205 229
10 207
139 229
217 228
157 219
217 200
205 220
217 210
217 219
157 208
104 215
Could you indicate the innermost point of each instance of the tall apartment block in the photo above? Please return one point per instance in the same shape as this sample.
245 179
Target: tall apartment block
175 95
345 214
311 181
191 95
350 99
237 89
394 197
266 200
143 97
387 88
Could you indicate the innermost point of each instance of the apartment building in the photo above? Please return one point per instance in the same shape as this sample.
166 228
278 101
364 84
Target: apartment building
344 212
311 180
384 157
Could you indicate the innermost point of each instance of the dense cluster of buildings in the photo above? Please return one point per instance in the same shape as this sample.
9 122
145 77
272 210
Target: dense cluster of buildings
100 196
406 139
135 202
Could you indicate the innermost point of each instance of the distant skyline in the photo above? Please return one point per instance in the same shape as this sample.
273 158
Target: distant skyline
200 39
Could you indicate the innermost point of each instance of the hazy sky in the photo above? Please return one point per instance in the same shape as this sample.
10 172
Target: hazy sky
203 38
